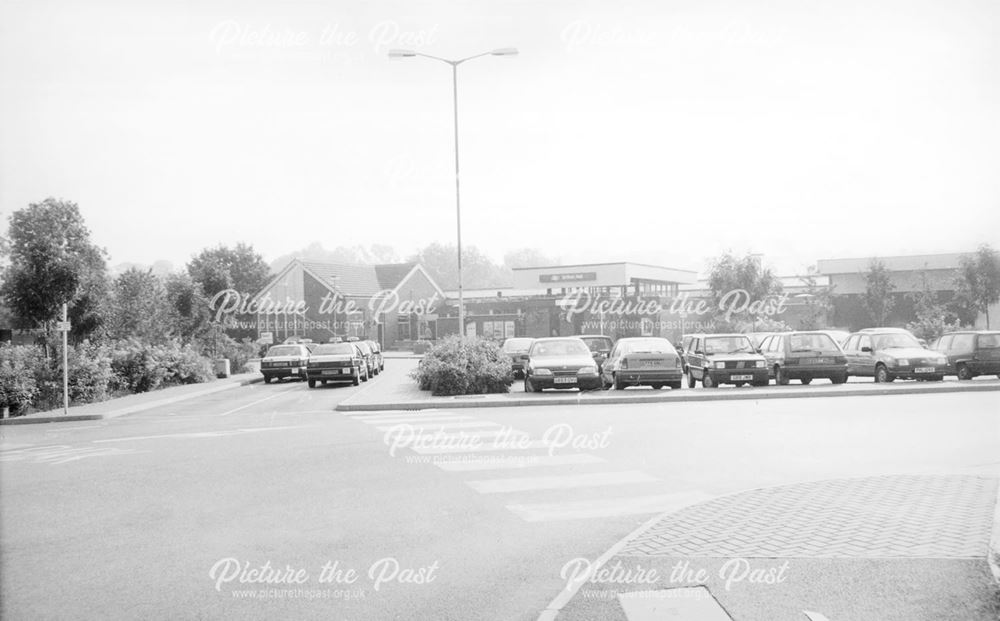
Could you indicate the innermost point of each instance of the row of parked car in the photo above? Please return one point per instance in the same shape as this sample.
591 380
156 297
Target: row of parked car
338 361
590 362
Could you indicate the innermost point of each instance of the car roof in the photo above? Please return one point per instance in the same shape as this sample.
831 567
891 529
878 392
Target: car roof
593 336
558 338
643 338
721 334
896 330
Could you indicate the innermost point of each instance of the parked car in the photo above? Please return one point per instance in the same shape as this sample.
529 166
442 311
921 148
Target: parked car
804 356
283 361
717 359
838 336
970 353
890 353
378 362
514 348
642 361
682 347
560 362
600 346
368 355
337 362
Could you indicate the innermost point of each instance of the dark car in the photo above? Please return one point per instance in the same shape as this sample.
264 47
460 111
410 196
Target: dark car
561 362
378 362
642 361
890 353
599 345
282 361
724 359
368 355
514 348
804 356
338 363
970 353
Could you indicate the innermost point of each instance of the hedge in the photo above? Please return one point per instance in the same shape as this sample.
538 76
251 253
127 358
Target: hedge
464 366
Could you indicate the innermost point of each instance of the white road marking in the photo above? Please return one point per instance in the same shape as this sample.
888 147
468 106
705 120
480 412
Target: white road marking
253 403
605 507
509 462
425 428
526 484
61 454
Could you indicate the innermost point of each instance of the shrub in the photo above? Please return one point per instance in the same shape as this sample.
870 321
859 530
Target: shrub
140 367
91 377
237 352
464 366
18 385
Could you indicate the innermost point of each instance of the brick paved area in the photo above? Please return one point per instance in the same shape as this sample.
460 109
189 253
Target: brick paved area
876 517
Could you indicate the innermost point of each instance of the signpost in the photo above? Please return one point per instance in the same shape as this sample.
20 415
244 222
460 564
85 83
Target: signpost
64 326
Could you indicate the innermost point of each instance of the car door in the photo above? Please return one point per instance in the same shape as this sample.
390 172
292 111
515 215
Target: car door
943 347
696 359
765 349
611 363
865 356
850 348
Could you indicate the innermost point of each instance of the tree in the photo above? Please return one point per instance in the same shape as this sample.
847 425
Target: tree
240 268
478 270
730 274
137 307
819 303
877 298
527 257
53 262
978 282
349 255
187 308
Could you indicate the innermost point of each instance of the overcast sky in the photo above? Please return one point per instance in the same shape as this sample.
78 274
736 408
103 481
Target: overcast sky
658 132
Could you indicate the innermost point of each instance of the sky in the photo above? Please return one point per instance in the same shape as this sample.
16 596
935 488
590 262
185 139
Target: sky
655 132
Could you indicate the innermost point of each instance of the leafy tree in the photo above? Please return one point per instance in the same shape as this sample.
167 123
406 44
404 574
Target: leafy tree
478 270
877 298
932 317
350 255
240 268
730 273
187 307
819 303
527 257
52 262
978 282
137 307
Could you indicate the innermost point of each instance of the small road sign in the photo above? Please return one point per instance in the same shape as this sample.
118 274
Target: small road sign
62 326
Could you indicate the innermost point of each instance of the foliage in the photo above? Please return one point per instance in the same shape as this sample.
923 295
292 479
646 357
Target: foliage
764 324
877 298
478 270
932 317
140 367
818 302
978 283
464 366
350 255
137 307
240 268
187 309
730 273
90 373
18 386
527 257
52 262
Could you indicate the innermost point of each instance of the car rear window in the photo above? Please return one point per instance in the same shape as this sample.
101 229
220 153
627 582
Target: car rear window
559 348
334 348
989 341
649 346
518 344
283 350
812 342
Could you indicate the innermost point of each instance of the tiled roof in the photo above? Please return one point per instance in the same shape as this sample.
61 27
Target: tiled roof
389 275
359 280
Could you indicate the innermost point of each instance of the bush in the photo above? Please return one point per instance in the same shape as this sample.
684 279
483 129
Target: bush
91 377
464 366
238 353
18 385
140 367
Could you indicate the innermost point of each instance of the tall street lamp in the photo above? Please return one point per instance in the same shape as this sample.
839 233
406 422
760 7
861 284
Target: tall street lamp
505 51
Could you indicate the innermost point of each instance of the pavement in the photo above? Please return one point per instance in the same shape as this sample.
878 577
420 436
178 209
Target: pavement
887 547
131 404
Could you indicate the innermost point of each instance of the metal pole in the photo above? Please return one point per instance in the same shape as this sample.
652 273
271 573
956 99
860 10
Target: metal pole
458 206
65 360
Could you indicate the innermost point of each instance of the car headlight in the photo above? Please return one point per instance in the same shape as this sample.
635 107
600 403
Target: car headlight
720 365
591 370
903 362
542 371
760 364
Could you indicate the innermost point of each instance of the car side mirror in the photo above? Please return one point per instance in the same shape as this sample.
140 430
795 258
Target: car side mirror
866 349
699 352
523 357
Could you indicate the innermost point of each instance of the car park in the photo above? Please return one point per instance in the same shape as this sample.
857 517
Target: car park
514 348
560 362
890 353
378 362
337 363
283 361
970 353
368 355
642 361
804 356
715 359
600 346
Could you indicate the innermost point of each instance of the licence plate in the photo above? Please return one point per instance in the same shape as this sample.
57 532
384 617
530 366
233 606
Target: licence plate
651 363
741 378
333 371
565 380
924 370
278 364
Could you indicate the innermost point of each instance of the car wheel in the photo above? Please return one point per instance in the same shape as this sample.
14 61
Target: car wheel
356 379
882 375
780 379
690 377
964 373
312 383
740 384
839 379
656 386
806 381
675 386
267 379
619 385
707 381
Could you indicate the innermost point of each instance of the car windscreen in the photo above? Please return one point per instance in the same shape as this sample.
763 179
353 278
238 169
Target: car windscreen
333 349
728 345
897 340
811 342
597 343
567 347
649 346
364 348
283 350
516 345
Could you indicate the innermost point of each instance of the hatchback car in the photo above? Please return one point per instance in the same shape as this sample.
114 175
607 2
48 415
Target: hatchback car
338 363
560 362
600 346
724 359
642 361
890 353
804 356
282 361
514 348
378 362
970 353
